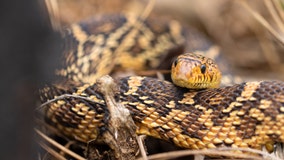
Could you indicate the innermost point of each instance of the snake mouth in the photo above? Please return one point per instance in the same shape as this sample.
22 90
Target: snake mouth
195 85
197 82
202 85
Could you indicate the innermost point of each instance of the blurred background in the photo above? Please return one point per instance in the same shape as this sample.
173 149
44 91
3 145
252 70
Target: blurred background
250 34
25 35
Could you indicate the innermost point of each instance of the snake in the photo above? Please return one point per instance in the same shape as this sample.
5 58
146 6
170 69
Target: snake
244 115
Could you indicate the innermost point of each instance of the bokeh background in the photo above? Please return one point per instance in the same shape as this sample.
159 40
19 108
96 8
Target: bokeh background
25 34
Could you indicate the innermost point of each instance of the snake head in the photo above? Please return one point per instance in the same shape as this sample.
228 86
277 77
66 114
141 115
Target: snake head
195 71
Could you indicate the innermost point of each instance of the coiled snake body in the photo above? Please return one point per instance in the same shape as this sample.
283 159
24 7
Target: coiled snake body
243 115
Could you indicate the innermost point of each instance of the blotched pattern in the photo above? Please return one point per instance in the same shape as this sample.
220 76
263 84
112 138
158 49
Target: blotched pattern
244 115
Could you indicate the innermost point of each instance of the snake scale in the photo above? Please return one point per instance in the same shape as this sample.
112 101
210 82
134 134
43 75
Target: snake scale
242 115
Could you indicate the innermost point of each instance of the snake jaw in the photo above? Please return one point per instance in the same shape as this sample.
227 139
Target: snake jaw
195 72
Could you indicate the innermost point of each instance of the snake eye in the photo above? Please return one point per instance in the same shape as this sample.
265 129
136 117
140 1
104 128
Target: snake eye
203 68
176 62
